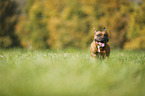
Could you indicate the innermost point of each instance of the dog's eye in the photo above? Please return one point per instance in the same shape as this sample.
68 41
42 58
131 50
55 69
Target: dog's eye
98 35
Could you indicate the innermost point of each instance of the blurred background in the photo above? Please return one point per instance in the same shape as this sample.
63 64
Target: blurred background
53 24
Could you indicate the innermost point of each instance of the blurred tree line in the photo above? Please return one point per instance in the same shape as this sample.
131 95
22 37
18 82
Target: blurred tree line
69 23
8 14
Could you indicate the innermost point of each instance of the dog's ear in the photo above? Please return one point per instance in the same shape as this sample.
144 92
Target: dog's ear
95 30
107 33
105 29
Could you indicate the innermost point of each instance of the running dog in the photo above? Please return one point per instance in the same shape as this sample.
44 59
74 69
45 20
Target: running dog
99 47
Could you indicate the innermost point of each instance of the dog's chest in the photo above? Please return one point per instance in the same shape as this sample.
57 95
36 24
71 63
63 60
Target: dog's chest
100 52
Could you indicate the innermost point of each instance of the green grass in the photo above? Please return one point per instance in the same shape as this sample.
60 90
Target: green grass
71 72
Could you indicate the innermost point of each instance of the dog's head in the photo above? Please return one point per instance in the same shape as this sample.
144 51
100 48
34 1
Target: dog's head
101 37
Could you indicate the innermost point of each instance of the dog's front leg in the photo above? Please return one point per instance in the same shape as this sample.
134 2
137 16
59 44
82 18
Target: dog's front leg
93 54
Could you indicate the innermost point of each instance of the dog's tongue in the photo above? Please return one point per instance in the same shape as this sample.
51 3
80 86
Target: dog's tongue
101 44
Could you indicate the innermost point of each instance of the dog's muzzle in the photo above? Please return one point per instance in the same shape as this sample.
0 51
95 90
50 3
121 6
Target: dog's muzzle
101 42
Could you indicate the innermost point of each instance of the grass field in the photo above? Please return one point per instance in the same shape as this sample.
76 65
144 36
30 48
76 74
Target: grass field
71 73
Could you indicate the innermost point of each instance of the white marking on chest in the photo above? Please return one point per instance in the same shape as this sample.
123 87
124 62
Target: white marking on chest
99 49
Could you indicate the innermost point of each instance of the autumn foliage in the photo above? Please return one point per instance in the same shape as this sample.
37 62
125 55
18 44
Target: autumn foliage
8 15
69 23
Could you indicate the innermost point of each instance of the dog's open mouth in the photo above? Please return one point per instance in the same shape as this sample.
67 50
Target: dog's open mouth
101 43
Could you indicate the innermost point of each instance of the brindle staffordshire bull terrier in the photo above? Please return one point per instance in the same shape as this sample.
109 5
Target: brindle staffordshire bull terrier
99 47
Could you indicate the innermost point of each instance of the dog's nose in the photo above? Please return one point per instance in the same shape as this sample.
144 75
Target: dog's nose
102 39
